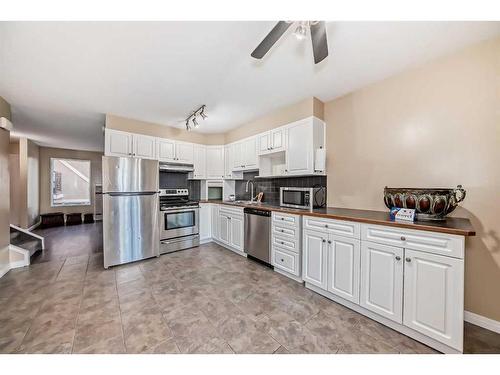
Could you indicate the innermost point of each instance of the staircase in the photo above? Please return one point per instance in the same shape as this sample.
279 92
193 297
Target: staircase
24 239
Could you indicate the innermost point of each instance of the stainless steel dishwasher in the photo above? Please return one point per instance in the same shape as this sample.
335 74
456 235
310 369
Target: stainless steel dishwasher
258 234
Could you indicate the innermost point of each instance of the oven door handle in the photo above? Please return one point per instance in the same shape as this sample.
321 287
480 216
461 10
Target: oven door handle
175 210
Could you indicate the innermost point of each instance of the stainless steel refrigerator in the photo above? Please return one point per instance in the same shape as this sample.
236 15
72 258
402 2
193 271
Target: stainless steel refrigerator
130 209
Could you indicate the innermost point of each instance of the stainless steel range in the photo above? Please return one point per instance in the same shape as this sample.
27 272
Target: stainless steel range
179 220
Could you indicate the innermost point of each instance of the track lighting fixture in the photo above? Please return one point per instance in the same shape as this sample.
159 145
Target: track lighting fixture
193 117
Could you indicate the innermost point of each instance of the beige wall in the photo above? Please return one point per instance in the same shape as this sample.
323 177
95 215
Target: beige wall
4 189
438 125
24 182
95 176
297 111
157 130
15 196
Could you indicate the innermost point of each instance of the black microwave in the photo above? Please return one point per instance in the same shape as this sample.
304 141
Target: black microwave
305 198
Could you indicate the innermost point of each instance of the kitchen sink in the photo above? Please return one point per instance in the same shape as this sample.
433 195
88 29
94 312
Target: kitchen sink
245 202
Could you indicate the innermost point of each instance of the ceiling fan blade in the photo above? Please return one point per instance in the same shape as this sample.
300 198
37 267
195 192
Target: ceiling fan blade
319 42
271 38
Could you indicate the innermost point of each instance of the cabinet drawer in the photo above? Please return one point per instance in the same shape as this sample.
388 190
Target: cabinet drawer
286 261
337 227
286 231
430 242
228 210
287 219
286 243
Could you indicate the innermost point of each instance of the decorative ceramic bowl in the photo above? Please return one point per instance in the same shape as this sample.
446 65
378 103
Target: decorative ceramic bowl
429 204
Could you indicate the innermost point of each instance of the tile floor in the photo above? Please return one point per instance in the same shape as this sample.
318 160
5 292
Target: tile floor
202 300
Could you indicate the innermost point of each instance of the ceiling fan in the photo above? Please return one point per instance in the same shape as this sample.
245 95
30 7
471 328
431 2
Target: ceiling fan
318 38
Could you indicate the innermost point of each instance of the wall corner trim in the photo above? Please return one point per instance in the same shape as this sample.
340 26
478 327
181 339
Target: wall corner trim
482 321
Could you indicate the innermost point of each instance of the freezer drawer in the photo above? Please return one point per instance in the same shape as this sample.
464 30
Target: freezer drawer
130 228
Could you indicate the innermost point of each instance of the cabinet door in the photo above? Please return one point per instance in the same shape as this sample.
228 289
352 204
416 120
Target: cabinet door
237 232
382 280
264 143
215 162
277 141
224 229
250 153
199 162
215 221
205 221
166 150
343 267
118 143
228 162
299 153
184 152
314 258
434 296
237 155
144 147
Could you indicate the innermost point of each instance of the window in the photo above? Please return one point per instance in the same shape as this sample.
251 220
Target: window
69 182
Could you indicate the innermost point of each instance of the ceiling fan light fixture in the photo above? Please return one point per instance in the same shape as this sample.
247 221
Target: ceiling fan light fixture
301 31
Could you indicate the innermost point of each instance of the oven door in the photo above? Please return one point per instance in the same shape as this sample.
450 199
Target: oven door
179 222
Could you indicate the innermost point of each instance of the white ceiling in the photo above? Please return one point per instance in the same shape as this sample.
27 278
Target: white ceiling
62 77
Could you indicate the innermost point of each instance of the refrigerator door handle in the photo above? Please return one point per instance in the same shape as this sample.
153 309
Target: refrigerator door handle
115 194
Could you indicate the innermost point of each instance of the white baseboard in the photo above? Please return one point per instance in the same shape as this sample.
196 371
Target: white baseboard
34 226
4 269
482 321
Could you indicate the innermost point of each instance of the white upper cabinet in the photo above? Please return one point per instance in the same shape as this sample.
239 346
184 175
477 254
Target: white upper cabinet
175 151
184 152
199 163
433 296
244 155
166 150
118 143
251 160
144 147
215 162
271 141
382 280
303 138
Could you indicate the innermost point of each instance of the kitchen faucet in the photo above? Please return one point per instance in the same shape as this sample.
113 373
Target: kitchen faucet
251 192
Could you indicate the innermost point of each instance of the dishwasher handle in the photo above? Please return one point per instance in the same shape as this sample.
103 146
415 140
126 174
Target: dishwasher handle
256 211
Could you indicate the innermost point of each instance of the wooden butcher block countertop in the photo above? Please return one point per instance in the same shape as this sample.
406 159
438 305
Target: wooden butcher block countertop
451 225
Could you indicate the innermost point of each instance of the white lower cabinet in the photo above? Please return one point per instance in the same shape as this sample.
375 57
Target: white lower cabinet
224 229
417 292
382 280
343 267
236 232
314 258
205 222
215 221
433 296
231 227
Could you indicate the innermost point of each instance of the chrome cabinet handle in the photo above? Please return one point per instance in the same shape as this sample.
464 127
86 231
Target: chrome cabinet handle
398 257
403 238
408 259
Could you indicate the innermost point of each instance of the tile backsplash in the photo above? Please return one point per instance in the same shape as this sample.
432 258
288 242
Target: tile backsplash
271 186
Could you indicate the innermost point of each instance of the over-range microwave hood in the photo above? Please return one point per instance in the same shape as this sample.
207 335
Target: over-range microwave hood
176 167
